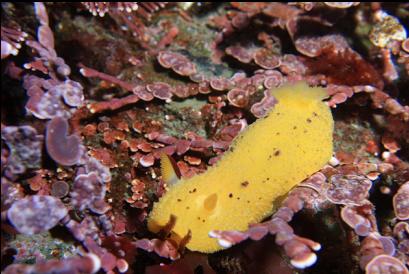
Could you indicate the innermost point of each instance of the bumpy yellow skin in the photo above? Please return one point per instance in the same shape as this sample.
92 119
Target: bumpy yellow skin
264 163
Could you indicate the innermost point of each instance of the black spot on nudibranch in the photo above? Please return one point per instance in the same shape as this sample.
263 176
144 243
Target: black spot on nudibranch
294 127
231 195
179 200
309 120
277 153
245 184
315 114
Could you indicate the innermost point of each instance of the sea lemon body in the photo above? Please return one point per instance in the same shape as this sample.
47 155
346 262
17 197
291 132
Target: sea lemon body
263 164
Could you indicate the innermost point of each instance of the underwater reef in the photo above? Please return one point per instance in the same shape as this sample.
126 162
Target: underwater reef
108 107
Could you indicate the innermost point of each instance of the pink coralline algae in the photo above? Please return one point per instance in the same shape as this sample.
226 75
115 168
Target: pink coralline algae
160 90
63 148
348 189
59 189
143 9
25 147
371 247
273 79
144 94
100 8
71 92
264 58
90 104
356 218
89 263
240 54
177 62
221 84
88 191
36 214
401 202
385 264
162 248
138 198
91 164
10 193
263 107
48 62
11 39
238 97
52 98
401 234
313 47
341 5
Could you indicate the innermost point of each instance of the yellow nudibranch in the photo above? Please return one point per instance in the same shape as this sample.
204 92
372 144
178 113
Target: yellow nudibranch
264 163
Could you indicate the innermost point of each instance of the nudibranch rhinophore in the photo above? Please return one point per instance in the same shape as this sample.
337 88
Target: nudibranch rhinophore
264 163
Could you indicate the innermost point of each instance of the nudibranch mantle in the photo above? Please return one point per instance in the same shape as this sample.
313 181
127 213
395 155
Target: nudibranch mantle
263 164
